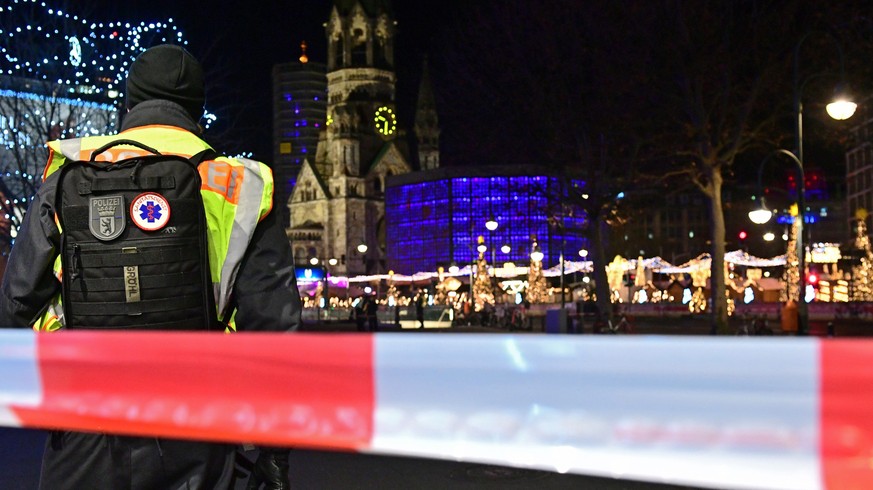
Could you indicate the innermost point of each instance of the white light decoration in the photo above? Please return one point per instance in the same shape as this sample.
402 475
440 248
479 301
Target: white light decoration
686 296
810 293
748 295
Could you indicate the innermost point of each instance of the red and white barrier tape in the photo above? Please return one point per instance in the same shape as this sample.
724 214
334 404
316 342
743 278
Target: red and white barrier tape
771 413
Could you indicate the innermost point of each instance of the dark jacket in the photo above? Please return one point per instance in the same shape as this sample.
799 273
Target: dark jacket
265 293
266 298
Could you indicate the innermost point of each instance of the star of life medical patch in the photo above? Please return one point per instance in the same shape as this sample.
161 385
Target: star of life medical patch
106 217
150 211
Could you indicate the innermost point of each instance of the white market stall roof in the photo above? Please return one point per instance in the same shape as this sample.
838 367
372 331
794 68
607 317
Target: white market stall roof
656 264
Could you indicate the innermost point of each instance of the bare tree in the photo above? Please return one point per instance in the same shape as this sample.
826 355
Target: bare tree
61 76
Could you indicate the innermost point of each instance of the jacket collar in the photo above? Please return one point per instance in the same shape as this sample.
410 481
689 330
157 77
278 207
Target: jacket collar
161 112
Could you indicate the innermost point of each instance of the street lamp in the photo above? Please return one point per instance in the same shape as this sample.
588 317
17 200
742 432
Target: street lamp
841 108
362 249
491 224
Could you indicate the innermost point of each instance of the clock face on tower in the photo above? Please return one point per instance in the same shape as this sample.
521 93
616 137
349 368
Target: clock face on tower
386 121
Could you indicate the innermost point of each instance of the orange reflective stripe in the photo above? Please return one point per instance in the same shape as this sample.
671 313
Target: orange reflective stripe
222 178
114 154
48 164
44 326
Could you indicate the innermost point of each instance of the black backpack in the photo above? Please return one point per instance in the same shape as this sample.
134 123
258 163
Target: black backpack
133 245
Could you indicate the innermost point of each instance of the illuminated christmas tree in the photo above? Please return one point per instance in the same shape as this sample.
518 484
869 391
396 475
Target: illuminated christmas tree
862 274
536 282
483 293
791 273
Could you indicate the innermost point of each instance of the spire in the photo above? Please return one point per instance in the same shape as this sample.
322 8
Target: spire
427 129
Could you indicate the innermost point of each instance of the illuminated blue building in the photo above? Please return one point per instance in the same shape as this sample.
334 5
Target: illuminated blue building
434 217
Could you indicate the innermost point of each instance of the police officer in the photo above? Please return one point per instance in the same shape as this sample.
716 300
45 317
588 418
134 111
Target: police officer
249 253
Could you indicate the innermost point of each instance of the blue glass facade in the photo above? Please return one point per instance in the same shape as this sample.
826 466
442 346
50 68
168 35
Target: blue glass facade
434 218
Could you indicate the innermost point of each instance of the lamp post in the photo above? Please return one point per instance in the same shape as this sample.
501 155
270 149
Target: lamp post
492 224
362 249
840 108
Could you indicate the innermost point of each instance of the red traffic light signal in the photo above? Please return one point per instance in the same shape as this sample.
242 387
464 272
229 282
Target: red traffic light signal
812 279
743 235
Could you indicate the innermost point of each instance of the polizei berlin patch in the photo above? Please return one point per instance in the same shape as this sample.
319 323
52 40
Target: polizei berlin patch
150 211
106 217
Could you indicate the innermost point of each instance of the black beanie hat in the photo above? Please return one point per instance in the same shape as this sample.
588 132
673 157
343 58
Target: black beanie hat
167 72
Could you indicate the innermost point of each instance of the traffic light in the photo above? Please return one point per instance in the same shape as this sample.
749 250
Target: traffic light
743 235
812 279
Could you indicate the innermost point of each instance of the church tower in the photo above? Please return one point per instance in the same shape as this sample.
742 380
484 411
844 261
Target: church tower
339 202
427 125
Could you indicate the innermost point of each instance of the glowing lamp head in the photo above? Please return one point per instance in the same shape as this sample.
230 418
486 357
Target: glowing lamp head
362 248
760 216
491 224
536 256
506 249
842 107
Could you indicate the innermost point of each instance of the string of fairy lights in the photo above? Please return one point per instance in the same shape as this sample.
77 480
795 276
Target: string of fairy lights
61 76
76 50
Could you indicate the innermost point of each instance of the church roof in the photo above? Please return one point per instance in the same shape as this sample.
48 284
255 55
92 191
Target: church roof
372 7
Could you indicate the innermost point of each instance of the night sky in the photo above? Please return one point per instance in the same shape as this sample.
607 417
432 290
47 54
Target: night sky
244 39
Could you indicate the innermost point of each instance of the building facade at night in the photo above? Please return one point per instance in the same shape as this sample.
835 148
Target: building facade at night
859 164
338 200
435 217
299 115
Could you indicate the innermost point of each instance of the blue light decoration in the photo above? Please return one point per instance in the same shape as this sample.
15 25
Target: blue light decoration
434 218
61 76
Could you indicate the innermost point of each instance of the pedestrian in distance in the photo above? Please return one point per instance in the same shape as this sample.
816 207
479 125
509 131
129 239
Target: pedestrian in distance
154 206
419 307
360 316
371 309
500 315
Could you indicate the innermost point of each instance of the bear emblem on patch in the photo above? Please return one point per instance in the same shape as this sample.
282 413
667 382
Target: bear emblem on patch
150 211
106 217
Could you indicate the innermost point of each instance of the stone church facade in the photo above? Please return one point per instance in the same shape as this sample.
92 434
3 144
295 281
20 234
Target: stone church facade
338 202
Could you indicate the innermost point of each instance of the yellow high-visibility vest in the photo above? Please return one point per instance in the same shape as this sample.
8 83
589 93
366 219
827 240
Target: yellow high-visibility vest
237 194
